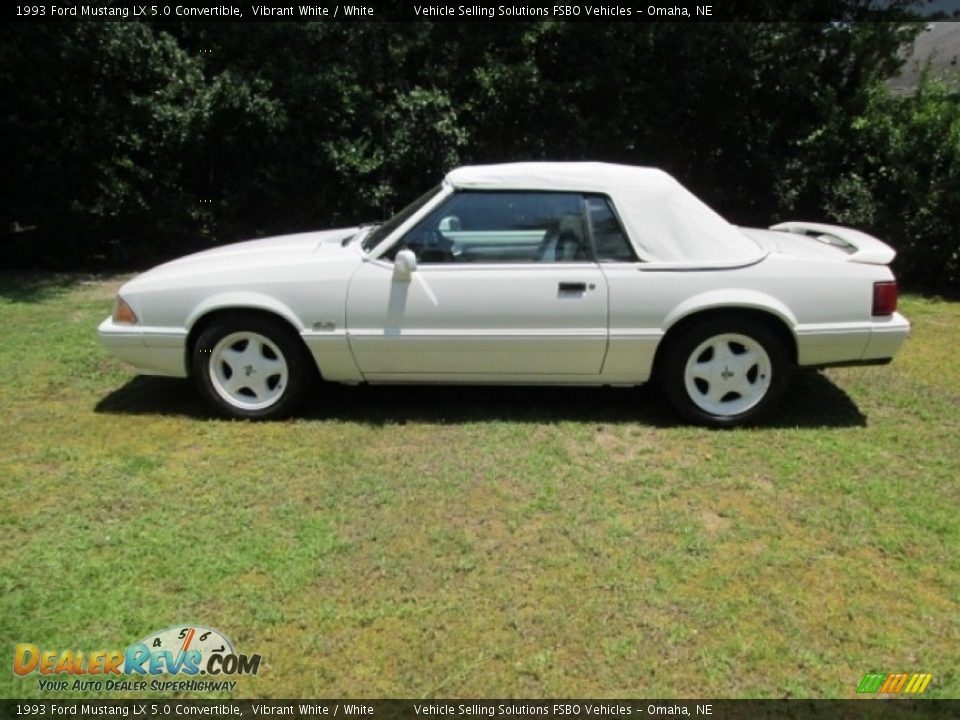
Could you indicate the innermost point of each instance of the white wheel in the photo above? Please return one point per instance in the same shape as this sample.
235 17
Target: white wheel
727 374
724 371
248 370
252 367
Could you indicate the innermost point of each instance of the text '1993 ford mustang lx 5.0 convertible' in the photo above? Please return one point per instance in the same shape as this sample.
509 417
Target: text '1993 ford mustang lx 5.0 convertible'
527 273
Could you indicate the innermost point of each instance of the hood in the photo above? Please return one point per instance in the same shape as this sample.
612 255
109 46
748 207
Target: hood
262 253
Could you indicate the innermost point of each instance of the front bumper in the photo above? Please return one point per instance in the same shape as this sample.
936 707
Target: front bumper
151 351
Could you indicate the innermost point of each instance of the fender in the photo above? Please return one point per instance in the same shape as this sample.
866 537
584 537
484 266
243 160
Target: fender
733 299
244 299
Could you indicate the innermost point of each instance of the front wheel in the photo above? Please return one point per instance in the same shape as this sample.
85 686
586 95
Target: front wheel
251 367
725 371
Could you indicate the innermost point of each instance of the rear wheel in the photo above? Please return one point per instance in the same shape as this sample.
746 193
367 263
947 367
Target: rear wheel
725 371
252 367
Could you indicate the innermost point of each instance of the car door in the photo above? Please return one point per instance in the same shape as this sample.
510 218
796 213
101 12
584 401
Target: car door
505 287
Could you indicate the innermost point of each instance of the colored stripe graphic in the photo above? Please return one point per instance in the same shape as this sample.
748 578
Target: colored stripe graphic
918 683
913 683
870 683
894 683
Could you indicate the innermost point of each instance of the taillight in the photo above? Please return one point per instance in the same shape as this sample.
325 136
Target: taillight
885 297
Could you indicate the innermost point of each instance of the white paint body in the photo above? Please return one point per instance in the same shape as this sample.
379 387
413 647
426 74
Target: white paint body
506 322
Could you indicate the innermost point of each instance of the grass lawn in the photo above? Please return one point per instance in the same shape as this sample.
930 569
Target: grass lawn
415 542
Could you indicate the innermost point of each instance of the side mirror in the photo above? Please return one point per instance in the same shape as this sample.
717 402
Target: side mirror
403 265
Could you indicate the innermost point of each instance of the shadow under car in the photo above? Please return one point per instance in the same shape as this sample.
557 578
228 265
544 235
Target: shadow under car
812 400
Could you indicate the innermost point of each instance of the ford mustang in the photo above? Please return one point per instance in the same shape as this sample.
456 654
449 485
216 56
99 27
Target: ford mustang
524 273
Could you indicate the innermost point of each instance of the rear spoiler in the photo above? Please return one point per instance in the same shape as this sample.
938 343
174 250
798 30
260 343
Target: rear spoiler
862 248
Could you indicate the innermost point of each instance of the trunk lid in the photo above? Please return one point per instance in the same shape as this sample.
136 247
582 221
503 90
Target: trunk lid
816 241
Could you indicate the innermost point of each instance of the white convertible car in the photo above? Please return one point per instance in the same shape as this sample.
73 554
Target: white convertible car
528 273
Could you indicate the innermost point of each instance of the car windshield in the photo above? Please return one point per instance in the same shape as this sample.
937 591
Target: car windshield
376 236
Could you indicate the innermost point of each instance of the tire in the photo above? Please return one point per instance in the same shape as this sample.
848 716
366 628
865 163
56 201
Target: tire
724 372
252 367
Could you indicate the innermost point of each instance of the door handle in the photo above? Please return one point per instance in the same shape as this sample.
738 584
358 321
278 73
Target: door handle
573 287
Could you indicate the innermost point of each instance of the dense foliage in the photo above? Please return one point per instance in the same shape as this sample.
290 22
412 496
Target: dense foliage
126 143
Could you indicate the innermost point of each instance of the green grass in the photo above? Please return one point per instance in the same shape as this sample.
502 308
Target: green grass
482 542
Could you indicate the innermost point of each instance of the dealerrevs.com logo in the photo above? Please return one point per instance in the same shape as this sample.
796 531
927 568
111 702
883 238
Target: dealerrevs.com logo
186 651
894 683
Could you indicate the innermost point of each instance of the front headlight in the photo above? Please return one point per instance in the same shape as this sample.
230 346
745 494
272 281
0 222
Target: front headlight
123 313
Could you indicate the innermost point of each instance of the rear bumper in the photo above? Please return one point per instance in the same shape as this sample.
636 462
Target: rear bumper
152 351
873 343
886 337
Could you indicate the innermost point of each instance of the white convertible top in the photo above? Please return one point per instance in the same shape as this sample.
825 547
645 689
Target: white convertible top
666 222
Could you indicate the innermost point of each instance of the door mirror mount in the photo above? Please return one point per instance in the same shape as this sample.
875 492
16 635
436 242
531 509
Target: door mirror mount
404 265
